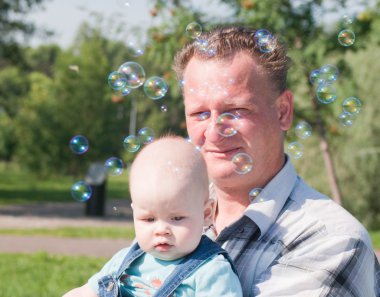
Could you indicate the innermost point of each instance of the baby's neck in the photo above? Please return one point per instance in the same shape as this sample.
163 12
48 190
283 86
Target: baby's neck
229 209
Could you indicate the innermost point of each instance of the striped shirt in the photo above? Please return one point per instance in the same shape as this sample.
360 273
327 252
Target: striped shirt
294 241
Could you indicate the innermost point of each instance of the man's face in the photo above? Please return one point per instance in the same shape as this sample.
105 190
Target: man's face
238 87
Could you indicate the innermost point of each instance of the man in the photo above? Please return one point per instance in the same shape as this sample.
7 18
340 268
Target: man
292 241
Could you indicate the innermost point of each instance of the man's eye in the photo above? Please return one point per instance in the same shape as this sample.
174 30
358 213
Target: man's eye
203 116
177 219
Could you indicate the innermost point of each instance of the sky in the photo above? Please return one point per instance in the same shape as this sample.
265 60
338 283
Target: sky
65 16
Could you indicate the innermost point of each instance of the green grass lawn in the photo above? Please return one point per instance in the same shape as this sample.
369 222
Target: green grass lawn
44 275
75 232
17 186
375 236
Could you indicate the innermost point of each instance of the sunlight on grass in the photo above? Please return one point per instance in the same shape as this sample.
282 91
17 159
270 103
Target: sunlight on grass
44 275
82 232
18 187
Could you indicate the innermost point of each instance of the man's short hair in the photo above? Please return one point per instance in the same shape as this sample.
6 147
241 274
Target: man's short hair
223 43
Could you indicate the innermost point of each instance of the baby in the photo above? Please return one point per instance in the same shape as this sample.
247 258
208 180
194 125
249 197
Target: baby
169 191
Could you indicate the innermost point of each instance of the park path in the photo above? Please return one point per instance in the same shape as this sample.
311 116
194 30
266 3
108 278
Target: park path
53 215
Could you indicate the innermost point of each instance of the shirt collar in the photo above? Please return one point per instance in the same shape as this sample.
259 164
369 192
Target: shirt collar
267 206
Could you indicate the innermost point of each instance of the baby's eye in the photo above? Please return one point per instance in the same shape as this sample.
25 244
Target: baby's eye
178 218
149 220
203 115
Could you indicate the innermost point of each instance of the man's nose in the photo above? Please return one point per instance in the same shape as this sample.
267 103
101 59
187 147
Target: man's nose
212 132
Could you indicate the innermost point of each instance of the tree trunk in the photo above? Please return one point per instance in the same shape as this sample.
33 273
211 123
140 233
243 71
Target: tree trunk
324 146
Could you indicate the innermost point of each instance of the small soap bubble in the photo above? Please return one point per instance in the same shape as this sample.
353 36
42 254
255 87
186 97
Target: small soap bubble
243 163
114 166
352 105
346 37
227 124
123 3
265 40
134 74
117 80
81 191
124 91
79 144
326 93
346 119
134 49
146 135
254 193
329 73
155 87
203 116
262 34
347 20
315 77
164 108
303 130
295 150
132 143
193 30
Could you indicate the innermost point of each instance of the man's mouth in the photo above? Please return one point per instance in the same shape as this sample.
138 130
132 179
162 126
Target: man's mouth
223 153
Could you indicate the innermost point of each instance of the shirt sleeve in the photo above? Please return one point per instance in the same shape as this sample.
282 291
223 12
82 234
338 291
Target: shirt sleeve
112 266
216 278
340 267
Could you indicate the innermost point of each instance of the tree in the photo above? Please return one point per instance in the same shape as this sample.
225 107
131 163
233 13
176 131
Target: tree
13 26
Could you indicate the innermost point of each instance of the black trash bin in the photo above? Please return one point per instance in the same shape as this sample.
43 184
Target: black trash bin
97 178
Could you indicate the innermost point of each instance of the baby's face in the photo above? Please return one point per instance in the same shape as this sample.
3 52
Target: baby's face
168 219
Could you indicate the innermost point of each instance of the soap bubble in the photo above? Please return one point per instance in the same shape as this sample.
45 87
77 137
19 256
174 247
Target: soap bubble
329 73
117 80
243 163
155 87
79 144
254 193
81 191
227 124
114 166
134 49
164 108
134 74
346 37
326 93
346 119
131 143
295 150
303 130
146 135
193 30
352 105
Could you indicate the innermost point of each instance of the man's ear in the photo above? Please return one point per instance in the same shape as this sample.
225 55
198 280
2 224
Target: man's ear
284 105
208 211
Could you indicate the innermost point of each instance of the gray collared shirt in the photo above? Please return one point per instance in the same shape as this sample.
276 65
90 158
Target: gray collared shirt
294 241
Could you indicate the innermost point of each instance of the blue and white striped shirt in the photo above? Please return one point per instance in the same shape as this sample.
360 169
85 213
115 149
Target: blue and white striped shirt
294 241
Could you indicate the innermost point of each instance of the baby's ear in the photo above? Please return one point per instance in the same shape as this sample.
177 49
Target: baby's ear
209 212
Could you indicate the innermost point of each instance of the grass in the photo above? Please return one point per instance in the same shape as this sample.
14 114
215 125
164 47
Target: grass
20 187
75 232
44 275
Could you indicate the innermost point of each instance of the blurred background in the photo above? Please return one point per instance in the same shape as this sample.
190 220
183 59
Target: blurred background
70 124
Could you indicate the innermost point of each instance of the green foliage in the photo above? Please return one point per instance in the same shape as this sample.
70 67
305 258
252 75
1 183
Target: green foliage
44 275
